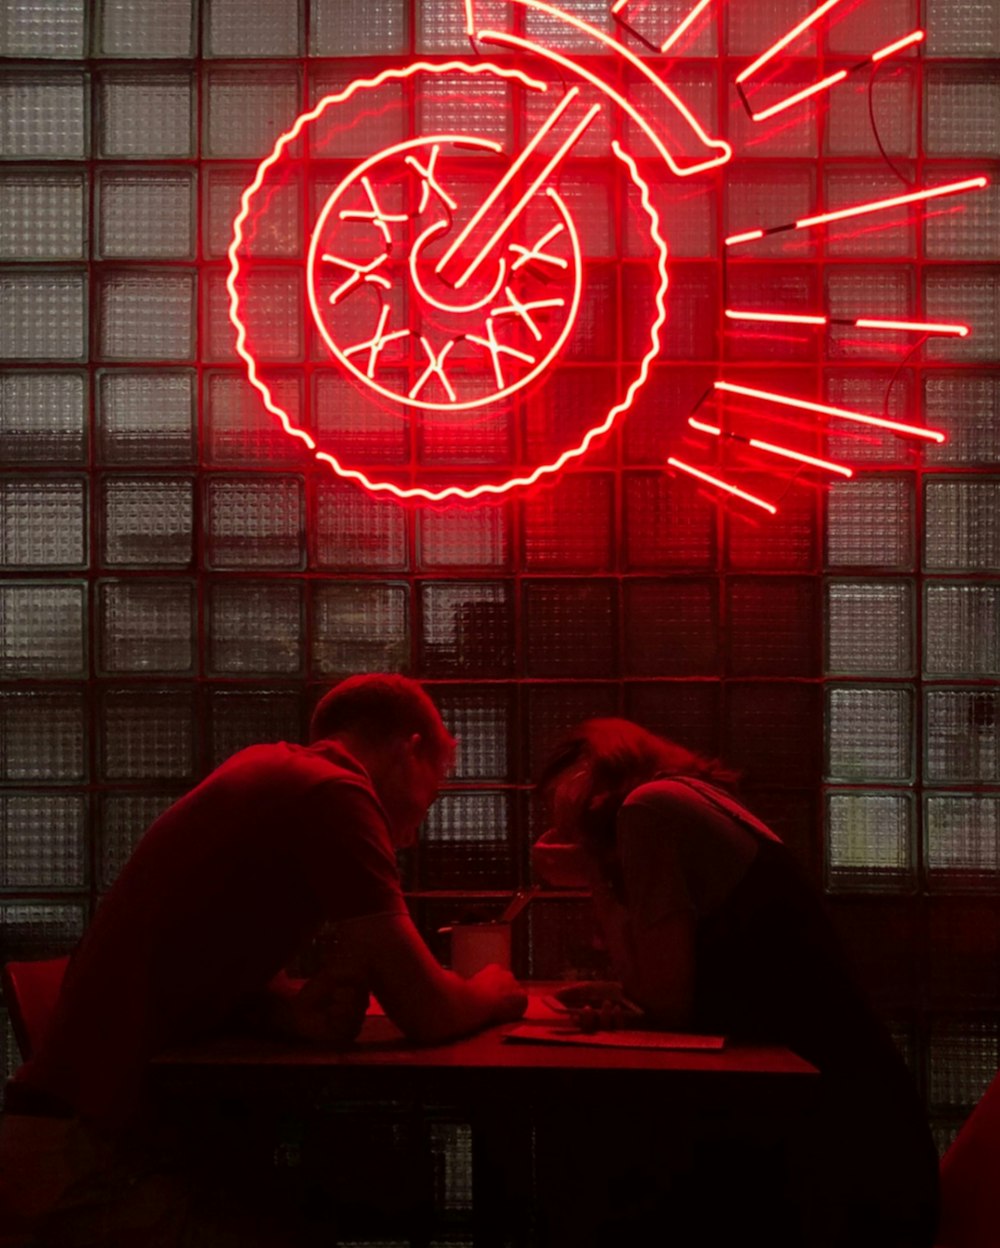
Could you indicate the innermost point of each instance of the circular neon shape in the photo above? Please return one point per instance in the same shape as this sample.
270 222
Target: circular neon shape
380 270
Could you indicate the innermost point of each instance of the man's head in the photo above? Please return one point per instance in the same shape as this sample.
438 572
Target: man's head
395 730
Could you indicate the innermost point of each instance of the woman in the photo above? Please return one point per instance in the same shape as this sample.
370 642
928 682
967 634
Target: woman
711 927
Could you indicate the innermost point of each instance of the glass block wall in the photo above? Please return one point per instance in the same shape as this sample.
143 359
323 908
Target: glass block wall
177 580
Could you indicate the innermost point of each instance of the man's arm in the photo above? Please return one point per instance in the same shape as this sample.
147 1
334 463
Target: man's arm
426 1002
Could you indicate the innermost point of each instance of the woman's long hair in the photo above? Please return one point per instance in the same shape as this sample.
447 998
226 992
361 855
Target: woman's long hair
597 766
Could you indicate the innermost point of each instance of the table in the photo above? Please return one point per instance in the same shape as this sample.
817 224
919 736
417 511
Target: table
503 1091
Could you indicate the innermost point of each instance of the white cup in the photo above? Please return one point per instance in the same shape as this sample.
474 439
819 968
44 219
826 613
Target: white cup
475 945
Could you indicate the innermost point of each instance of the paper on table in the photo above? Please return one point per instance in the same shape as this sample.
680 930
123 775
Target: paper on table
624 1039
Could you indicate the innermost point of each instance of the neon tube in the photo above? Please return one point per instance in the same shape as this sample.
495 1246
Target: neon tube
859 210
863 322
695 13
783 318
772 449
723 485
823 85
785 40
916 36
787 400
914 327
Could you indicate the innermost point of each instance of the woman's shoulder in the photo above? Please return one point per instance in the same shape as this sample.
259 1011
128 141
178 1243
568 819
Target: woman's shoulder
665 792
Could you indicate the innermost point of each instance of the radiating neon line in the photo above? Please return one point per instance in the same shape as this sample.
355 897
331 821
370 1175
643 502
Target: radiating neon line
788 400
863 322
618 6
782 318
682 171
858 210
894 201
669 42
289 136
916 36
508 177
785 40
536 251
723 485
913 327
823 85
772 448
543 470
528 195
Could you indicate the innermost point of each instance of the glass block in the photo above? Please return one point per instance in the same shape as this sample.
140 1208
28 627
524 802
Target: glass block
147 315
781 137
961 629
869 733
869 628
34 28
893 233
771 731
563 942
866 27
487 439
894 99
667 524
43 216
123 820
971 231
962 735
10 1058
561 412
42 629
358 27
570 524
31 931
965 406
145 28
146 417
464 537
146 215
354 529
45 315
42 736
570 628
773 626
43 840
870 523
963 28
366 121
273 234
43 522
786 194
671 628
146 115
480 719
690 332
44 115
146 626
255 523
246 111
239 718
451 1145
274 30
693 215
962 524
962 111
442 28
43 417
971 296
764 288
147 735
963 840
682 710
482 106
964 945
147 521
889 392
240 430
870 844
361 627
467 629
963 1058
553 32
466 842
552 711
354 428
255 626
873 291
275 303
787 542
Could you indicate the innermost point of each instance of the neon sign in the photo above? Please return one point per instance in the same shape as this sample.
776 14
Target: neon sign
445 274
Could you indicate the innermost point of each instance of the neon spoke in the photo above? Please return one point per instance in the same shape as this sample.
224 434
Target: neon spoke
377 344
429 179
916 36
785 40
823 85
723 485
536 252
496 349
693 16
360 272
841 413
435 368
375 215
516 308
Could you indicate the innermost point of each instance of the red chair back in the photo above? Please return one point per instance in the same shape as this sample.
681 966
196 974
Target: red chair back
970 1190
30 991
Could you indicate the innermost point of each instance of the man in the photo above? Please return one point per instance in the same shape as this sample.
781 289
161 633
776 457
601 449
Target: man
221 893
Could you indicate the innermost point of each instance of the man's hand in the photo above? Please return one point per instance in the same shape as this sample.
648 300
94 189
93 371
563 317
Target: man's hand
507 999
328 1009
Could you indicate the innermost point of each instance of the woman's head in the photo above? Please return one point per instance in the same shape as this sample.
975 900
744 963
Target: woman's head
594 769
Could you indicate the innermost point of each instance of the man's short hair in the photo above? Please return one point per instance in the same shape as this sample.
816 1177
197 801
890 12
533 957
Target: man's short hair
378 707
